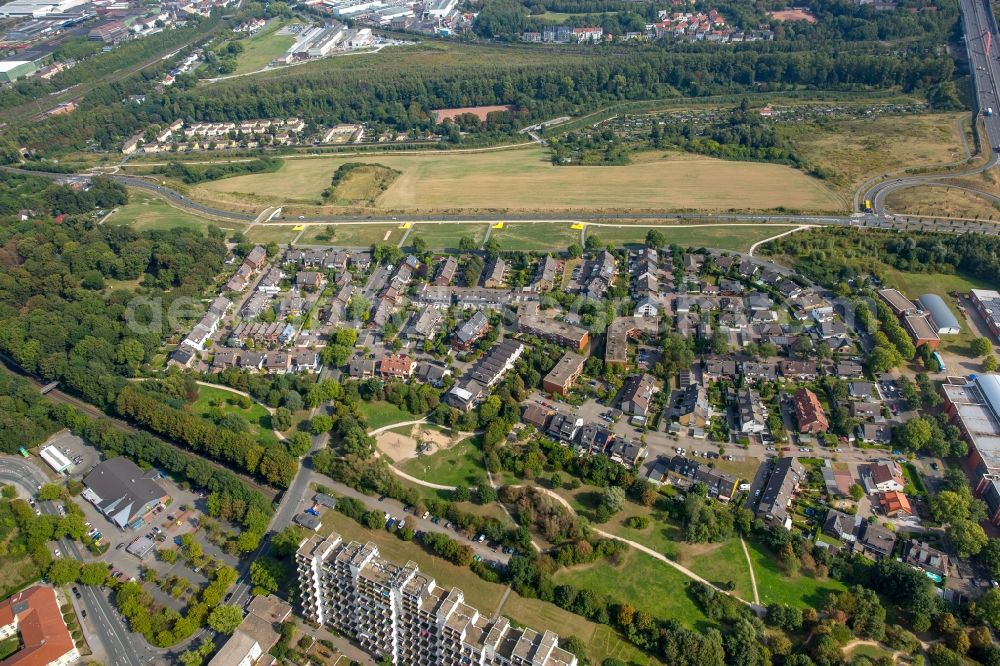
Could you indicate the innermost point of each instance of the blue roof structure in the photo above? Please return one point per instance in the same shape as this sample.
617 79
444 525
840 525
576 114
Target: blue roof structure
940 313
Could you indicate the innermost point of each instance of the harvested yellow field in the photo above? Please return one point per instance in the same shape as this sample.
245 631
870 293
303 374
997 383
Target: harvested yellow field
941 201
526 180
854 150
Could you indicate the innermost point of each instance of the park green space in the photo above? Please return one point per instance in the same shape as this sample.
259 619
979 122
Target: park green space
527 236
282 235
257 415
379 414
460 464
644 582
721 236
351 235
775 587
262 48
145 212
601 640
526 179
447 236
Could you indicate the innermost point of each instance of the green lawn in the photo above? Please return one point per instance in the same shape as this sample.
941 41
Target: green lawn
257 414
266 234
643 581
144 212
724 237
719 563
537 236
461 464
775 587
262 48
379 414
9 646
351 235
913 479
447 236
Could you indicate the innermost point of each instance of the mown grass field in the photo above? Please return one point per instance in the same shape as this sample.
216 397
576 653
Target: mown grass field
461 464
262 48
267 234
352 235
447 236
601 640
145 212
853 150
536 236
725 237
525 179
256 414
775 587
380 414
643 581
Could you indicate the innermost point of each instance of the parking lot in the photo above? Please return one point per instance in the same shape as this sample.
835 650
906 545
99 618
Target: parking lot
83 457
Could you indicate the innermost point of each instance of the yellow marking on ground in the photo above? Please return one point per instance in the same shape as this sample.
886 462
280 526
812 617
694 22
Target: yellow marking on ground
498 225
299 227
578 226
406 225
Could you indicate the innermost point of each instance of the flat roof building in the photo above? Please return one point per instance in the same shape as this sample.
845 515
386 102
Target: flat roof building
987 304
921 330
895 299
565 372
55 459
974 406
559 332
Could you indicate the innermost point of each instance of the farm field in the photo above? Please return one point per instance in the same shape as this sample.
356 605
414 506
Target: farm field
602 641
257 415
853 150
646 583
351 235
536 236
724 237
940 201
460 464
525 179
262 48
775 587
447 236
145 212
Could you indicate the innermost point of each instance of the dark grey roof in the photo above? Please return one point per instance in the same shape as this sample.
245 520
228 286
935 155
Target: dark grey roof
121 490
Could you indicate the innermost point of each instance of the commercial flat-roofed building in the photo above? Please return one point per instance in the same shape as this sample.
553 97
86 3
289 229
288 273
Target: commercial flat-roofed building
895 300
974 406
55 459
34 615
565 372
921 330
12 70
987 304
621 331
123 492
399 614
944 319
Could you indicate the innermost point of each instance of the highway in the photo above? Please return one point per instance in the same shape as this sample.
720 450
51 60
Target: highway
981 34
119 643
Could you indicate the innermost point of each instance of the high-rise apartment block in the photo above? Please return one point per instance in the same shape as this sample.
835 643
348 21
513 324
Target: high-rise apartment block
398 612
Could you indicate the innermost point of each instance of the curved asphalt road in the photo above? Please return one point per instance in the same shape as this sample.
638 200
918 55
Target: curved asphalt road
978 22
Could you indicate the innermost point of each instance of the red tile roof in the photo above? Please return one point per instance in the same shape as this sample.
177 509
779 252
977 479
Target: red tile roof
43 633
893 502
809 412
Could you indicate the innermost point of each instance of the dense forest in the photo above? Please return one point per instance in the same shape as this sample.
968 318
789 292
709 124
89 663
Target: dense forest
59 318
